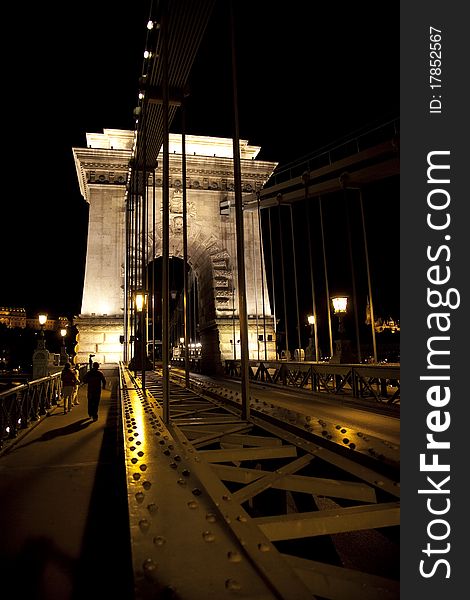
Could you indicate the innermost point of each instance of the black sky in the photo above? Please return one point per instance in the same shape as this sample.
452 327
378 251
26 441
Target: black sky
309 74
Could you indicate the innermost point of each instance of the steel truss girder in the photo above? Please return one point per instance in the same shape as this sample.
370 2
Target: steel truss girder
319 486
182 517
329 581
321 579
327 522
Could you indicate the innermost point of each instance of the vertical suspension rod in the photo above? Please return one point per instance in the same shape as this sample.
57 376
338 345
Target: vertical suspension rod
143 241
281 245
261 253
245 383
353 277
165 220
272 277
299 343
327 291
369 283
185 247
312 281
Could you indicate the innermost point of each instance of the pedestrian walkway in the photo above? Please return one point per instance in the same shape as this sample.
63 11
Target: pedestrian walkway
64 528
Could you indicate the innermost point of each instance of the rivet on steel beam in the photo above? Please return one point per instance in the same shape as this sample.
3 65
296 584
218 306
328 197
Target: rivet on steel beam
144 525
143 467
208 536
211 517
152 508
234 556
159 540
196 491
192 504
345 441
233 584
136 476
146 485
139 496
264 547
242 518
182 481
150 569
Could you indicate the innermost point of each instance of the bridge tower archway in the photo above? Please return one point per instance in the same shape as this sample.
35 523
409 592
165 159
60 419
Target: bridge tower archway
102 170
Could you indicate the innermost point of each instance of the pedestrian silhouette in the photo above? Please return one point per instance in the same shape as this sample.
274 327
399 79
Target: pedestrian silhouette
69 386
95 381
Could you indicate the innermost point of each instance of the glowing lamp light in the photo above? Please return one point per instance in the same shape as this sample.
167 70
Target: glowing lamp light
63 332
42 320
340 304
311 319
140 298
181 340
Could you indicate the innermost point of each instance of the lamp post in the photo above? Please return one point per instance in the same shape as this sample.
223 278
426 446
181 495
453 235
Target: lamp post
42 318
63 351
140 354
313 339
41 355
342 352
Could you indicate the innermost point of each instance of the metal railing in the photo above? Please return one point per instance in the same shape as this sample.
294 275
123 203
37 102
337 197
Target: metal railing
378 382
25 404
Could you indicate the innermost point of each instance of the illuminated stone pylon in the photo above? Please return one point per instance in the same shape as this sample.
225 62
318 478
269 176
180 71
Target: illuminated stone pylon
102 170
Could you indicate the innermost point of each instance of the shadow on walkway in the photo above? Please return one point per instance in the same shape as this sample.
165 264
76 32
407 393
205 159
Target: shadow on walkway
105 566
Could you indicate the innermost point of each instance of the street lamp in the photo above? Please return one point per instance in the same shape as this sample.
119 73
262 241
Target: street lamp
140 353
140 301
340 307
342 346
313 340
63 352
41 355
42 321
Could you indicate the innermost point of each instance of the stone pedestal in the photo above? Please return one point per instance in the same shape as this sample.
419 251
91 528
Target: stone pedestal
42 360
99 336
40 363
343 352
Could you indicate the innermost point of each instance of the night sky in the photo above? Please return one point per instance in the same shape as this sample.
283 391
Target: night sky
308 75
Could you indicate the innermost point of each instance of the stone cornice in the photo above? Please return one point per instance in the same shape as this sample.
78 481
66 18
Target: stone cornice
107 165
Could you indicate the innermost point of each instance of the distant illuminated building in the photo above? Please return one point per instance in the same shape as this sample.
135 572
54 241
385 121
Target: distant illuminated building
13 317
16 317
389 325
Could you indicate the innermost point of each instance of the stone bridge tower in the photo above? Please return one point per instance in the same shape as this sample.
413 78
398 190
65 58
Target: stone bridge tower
102 170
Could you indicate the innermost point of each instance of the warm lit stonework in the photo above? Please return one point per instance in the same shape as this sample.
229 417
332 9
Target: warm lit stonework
102 170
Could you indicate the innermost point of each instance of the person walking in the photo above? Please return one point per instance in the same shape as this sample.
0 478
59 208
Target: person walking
69 386
75 393
95 381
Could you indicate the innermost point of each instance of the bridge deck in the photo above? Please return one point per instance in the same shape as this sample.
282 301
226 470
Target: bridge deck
78 521
63 518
